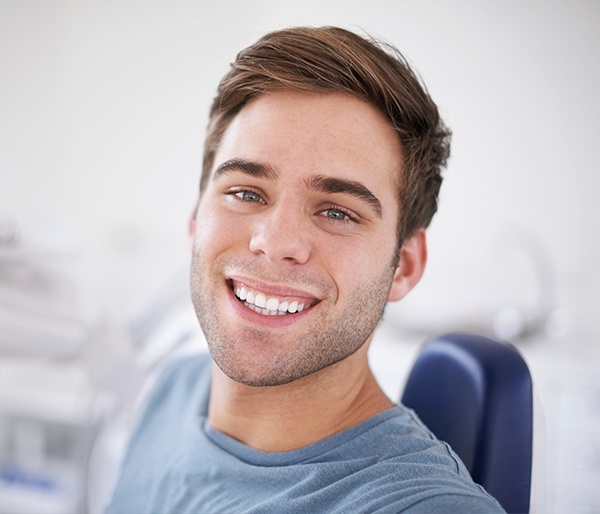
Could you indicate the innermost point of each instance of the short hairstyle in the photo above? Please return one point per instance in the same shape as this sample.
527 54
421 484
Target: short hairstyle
332 59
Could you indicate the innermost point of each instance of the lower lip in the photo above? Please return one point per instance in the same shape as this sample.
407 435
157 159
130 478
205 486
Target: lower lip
260 319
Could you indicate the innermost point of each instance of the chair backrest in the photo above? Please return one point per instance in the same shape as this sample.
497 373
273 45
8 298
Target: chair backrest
476 394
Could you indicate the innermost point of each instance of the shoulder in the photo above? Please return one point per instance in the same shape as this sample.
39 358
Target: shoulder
398 435
456 504
178 382
174 391
169 412
183 369
406 468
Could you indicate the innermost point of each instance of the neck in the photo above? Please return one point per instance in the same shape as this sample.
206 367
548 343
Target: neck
294 415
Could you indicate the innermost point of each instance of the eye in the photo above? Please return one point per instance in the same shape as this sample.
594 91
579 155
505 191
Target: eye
244 195
338 215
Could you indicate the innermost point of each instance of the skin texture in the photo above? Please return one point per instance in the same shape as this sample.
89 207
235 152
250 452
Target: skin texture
301 206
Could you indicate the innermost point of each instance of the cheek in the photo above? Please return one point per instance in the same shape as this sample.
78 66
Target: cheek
216 231
363 256
348 260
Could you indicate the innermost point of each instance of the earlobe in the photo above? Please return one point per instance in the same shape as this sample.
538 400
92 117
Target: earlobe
413 258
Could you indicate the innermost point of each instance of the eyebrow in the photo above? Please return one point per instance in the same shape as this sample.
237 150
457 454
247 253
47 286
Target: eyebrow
349 187
321 183
253 169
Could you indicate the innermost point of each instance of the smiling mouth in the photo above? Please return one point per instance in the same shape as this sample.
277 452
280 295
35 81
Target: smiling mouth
269 305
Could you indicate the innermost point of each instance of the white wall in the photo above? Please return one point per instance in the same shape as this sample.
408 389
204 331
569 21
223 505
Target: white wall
103 106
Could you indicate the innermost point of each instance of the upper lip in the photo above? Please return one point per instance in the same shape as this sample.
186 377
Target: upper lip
273 289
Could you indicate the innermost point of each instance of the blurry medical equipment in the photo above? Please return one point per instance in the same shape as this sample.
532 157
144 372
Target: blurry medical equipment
508 290
166 325
50 408
41 313
476 394
67 404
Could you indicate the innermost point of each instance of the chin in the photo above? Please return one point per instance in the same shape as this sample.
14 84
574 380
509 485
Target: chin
271 371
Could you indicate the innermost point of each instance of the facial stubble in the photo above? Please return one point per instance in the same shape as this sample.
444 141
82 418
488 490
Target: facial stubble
336 332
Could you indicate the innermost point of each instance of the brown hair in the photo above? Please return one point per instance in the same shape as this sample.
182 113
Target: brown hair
332 59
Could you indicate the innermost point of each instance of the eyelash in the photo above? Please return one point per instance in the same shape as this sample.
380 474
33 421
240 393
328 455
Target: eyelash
237 195
350 218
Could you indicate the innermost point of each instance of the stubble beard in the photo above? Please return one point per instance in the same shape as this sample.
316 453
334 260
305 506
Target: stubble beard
331 338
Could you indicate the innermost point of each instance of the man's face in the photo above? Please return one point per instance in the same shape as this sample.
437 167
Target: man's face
294 238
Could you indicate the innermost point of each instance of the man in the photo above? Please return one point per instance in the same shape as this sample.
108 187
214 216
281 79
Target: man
321 172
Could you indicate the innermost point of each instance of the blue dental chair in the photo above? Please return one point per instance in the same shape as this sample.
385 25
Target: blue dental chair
476 394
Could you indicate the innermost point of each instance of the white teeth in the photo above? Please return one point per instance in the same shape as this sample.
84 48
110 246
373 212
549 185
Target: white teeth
272 304
258 302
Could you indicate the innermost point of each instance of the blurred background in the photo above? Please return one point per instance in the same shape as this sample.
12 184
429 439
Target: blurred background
103 107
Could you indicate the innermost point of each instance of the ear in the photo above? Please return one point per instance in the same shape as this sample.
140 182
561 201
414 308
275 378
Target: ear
192 224
413 257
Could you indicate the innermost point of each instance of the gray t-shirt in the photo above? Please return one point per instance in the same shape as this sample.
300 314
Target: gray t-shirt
177 463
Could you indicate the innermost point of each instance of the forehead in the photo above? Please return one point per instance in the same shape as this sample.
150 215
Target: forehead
330 134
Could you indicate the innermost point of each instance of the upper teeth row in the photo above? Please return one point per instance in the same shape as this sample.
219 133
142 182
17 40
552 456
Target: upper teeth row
269 304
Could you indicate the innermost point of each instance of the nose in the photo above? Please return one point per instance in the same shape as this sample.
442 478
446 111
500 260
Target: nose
280 235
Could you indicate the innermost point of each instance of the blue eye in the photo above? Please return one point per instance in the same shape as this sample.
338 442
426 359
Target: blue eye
336 215
249 196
